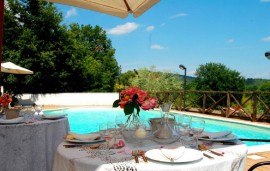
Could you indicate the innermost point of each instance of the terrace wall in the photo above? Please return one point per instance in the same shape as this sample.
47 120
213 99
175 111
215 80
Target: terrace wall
69 99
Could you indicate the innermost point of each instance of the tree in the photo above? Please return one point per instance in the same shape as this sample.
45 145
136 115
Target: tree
217 77
152 81
64 58
265 87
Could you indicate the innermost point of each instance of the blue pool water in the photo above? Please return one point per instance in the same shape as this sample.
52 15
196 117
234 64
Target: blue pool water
85 120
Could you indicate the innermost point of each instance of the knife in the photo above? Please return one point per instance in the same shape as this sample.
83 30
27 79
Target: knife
72 145
206 155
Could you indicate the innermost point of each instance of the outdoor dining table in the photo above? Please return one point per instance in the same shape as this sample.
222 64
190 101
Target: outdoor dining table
87 159
31 147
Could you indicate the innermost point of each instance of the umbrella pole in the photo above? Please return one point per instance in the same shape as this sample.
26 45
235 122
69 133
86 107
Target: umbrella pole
1 33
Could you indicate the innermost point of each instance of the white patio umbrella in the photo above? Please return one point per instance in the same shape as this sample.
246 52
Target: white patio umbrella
119 8
9 67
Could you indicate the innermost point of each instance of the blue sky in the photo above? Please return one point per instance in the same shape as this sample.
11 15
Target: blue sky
235 33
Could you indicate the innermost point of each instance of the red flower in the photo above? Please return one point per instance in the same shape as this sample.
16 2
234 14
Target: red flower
133 98
5 99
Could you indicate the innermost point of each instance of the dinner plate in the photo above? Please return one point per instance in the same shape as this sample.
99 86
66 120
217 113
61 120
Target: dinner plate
190 155
12 121
230 137
54 116
85 141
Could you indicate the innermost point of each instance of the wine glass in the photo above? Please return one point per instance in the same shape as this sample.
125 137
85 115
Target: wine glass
28 113
165 108
38 109
183 124
196 127
120 124
102 133
111 130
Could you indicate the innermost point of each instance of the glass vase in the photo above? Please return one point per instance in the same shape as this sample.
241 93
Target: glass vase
131 126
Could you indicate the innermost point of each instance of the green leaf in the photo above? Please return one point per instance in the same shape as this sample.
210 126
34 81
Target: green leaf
116 103
129 109
137 106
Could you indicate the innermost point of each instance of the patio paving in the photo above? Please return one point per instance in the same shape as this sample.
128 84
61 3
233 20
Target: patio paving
253 158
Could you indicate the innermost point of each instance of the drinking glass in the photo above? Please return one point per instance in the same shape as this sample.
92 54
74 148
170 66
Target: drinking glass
28 113
196 127
183 124
102 133
111 137
120 124
165 108
38 109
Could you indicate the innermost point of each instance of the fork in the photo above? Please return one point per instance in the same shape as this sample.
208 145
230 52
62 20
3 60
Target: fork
203 147
135 154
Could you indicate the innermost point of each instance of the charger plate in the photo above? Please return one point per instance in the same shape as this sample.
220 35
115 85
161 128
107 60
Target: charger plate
230 137
85 141
53 116
12 121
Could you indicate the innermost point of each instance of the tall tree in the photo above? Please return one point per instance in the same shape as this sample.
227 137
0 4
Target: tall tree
63 58
217 77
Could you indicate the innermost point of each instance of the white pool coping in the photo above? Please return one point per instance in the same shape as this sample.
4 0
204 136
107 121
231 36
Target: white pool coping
258 148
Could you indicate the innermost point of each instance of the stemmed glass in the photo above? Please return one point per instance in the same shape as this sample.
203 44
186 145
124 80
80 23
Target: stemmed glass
120 124
38 109
102 133
165 108
183 124
196 127
28 113
112 133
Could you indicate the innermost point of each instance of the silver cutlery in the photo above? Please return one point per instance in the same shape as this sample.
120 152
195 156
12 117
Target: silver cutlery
206 155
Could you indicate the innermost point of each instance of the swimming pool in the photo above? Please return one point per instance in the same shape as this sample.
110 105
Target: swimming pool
85 120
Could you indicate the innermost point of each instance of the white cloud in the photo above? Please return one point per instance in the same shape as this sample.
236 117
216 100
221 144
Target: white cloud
230 40
265 0
266 39
150 28
123 29
163 24
178 15
71 12
156 46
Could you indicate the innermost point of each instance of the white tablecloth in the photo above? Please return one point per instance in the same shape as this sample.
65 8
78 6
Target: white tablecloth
77 159
31 147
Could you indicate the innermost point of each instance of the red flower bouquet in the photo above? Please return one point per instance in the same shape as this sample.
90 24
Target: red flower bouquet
134 98
5 99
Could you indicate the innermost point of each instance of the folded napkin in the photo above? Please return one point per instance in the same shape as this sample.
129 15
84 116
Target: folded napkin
174 153
215 135
84 136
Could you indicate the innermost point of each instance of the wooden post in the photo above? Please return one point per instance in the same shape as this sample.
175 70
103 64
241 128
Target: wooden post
254 106
180 101
204 102
228 105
